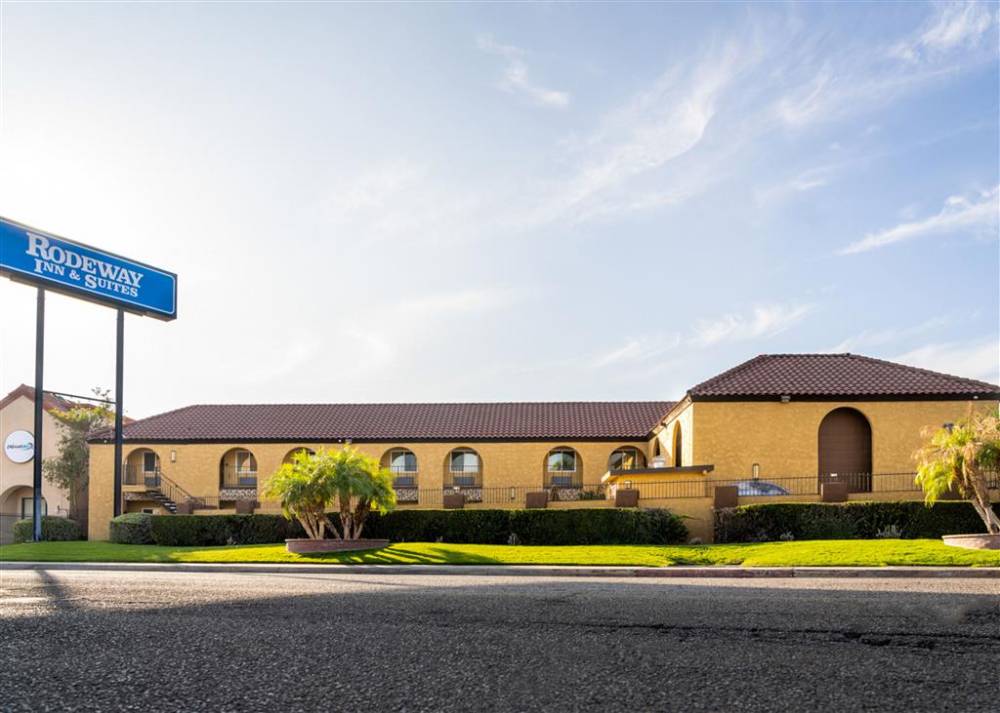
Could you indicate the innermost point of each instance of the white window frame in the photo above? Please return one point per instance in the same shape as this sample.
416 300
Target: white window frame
464 452
156 460
238 467
403 452
548 463
635 456
28 507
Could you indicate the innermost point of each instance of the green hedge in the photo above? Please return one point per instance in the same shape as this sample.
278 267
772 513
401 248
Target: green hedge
133 528
855 520
53 528
597 526
184 530
531 527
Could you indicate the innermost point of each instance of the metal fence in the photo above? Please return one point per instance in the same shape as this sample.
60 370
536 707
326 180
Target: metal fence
7 520
516 496
806 485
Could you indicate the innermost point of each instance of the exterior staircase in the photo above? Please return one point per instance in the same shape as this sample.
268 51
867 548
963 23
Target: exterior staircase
162 500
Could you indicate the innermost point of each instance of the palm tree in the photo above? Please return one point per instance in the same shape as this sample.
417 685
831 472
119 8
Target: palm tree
963 457
346 481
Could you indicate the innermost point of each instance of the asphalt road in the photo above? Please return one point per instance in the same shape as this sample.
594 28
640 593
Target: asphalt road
254 642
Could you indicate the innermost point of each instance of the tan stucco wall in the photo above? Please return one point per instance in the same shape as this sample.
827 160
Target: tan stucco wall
196 466
684 416
784 438
19 415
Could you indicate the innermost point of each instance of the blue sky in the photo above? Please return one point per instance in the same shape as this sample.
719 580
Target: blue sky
530 202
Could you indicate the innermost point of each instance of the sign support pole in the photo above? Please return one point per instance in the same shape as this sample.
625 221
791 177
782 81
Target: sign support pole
36 480
119 384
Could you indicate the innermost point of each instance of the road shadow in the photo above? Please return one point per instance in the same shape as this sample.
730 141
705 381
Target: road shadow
413 642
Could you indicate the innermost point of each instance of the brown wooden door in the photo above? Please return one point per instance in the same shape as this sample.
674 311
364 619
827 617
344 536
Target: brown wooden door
845 450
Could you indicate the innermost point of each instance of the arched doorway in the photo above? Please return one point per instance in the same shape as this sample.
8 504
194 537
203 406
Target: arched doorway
238 469
845 450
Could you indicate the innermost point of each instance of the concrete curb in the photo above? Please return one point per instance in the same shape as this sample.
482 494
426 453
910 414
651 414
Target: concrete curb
525 570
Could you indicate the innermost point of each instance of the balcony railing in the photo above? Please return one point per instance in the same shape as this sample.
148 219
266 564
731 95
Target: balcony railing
467 479
404 478
233 477
777 485
135 475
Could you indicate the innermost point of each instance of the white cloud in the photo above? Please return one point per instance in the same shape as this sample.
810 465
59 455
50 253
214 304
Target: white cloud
975 359
892 335
954 25
398 201
763 321
959 214
637 349
515 79
640 139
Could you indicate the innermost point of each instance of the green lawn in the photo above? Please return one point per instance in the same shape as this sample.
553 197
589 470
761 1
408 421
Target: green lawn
869 553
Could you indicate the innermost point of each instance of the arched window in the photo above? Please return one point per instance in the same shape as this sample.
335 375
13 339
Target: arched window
845 449
562 468
142 467
464 469
238 469
403 464
291 454
626 458
678 446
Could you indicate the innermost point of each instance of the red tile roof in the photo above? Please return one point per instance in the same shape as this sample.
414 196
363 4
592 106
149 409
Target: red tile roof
402 422
847 376
50 402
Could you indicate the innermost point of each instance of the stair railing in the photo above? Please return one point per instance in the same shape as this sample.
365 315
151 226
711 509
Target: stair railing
173 491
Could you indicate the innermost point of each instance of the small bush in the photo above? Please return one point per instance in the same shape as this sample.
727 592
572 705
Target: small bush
132 528
845 521
53 528
199 530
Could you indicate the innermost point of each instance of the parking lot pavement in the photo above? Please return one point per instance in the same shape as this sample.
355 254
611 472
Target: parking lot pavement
76 640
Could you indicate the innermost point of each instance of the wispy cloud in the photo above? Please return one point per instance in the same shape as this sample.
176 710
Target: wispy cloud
398 200
515 77
960 214
979 359
953 25
762 321
637 349
638 140
892 335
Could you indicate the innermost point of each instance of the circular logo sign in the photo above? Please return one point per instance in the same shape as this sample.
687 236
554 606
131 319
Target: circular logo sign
19 446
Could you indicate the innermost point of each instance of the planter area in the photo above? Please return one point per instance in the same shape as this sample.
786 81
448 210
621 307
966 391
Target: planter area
973 542
303 545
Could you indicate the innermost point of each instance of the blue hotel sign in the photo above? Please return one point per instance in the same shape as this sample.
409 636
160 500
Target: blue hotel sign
79 270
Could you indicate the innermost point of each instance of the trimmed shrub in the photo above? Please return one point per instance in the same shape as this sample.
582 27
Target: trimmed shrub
132 528
604 526
765 522
192 530
597 526
53 528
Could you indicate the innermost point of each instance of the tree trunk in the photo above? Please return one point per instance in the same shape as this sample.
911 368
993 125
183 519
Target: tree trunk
974 483
333 530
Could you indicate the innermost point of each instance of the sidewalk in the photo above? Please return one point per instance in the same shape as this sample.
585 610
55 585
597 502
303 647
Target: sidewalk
522 570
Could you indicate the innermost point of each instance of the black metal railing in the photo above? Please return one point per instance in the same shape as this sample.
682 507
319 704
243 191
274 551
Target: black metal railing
134 475
467 479
233 477
404 478
778 485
